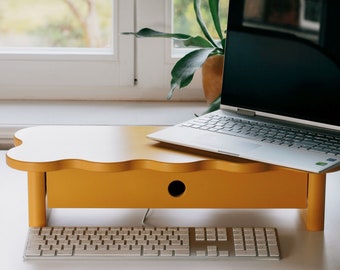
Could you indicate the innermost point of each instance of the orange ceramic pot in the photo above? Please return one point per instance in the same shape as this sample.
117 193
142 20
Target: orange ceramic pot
212 71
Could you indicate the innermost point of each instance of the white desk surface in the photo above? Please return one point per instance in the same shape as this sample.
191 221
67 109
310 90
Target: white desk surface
300 249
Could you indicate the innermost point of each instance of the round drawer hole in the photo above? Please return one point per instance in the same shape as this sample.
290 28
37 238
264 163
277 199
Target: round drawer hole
176 188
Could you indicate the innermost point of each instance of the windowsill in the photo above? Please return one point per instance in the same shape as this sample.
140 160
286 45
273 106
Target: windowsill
20 114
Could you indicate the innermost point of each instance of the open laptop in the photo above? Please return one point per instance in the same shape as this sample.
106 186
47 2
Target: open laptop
274 85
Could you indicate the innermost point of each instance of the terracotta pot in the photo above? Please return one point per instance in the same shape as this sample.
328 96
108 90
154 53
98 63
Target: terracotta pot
212 71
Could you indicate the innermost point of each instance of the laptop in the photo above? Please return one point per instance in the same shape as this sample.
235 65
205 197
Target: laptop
279 103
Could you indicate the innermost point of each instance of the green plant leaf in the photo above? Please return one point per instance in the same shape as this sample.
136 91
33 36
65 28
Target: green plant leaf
215 14
184 70
200 21
223 44
188 40
197 41
147 32
213 106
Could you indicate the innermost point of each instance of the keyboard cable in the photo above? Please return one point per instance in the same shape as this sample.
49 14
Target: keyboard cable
145 217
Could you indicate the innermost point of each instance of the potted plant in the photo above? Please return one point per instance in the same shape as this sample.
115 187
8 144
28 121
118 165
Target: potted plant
208 55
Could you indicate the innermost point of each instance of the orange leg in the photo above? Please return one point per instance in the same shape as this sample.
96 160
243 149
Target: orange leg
316 202
36 199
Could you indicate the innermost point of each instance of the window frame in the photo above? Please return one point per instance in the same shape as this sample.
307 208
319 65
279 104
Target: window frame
157 53
79 74
139 69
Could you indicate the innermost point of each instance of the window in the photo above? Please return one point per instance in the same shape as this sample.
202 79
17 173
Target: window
56 24
39 64
159 53
66 72
184 20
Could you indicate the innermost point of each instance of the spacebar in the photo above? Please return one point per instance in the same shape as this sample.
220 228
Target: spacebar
108 253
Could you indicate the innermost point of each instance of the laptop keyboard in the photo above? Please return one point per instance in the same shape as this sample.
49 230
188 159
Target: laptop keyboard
270 133
152 242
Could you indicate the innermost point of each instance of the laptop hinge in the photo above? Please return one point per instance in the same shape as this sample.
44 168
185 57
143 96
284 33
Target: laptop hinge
246 112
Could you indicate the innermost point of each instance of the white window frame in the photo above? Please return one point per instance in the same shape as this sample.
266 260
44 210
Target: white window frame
138 69
154 56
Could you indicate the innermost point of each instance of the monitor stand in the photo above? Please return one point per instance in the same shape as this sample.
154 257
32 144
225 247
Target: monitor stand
118 167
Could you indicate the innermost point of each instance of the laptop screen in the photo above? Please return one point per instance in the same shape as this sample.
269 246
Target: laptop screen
274 70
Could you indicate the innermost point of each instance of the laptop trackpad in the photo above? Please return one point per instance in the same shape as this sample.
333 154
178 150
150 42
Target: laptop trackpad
227 145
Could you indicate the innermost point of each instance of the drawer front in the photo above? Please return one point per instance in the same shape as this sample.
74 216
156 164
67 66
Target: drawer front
277 188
